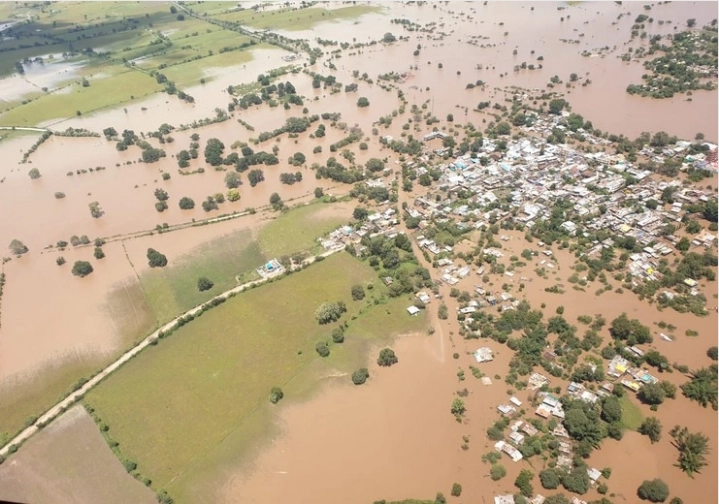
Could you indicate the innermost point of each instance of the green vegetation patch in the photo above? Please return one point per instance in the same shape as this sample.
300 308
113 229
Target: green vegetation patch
101 93
294 19
173 290
174 403
632 416
299 229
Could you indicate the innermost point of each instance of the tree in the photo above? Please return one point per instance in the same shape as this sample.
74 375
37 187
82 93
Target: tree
683 244
60 261
497 472
363 102
358 293
161 195
456 490
213 152
692 446
712 353
653 491
187 203
99 254
233 195
298 158
322 349
81 268
577 480
276 395
611 409
319 192
360 376
156 259
556 106
17 247
387 357
556 499
524 482
549 479
652 428
34 174
232 180
255 177
329 312
375 165
691 23
338 335
651 393
204 283
360 214
693 227
503 128
389 38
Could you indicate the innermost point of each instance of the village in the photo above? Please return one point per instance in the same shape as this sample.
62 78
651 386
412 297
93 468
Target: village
605 192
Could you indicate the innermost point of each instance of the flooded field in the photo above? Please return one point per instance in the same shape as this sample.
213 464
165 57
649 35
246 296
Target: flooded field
70 462
395 437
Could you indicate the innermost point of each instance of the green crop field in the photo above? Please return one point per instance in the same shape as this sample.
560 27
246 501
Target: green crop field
294 19
299 229
174 403
173 290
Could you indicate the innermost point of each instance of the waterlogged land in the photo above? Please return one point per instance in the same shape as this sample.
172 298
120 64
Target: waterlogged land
170 77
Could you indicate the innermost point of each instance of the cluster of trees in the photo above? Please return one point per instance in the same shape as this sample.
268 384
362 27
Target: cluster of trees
290 178
334 170
631 331
162 198
292 125
95 209
702 387
213 152
255 177
387 255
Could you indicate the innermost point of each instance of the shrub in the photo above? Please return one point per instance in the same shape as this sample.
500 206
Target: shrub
204 284
276 395
497 472
456 490
360 376
34 174
60 261
653 491
387 357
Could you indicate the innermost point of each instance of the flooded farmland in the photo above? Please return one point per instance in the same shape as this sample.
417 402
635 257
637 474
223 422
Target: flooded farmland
394 437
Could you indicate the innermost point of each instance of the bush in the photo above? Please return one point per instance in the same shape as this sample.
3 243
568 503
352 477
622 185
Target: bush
653 491
360 376
358 292
156 259
387 357
497 472
456 490
81 268
204 284
322 349
34 174
60 261
276 395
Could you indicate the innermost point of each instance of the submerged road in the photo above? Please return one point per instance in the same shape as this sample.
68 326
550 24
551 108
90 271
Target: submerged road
24 128
71 399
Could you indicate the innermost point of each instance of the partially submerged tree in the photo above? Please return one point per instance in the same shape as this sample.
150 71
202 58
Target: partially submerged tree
81 268
387 357
156 259
17 247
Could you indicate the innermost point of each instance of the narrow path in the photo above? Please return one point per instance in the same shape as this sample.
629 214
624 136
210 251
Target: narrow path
71 399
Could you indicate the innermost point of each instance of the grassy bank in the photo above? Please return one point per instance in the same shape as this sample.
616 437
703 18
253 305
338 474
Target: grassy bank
198 387
293 19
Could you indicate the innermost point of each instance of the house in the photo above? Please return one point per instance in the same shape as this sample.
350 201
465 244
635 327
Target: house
510 450
504 499
506 409
594 474
413 310
515 401
517 438
424 297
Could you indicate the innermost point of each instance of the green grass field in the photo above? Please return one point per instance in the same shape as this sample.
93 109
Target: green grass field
293 19
632 416
173 290
299 229
109 91
196 388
